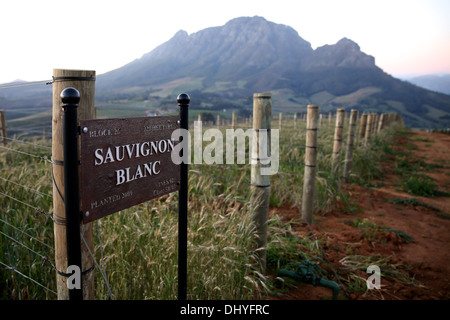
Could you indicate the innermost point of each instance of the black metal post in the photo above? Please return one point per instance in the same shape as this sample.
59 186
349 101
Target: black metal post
183 102
70 98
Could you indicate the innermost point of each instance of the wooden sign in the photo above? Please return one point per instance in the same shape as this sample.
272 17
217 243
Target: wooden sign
125 162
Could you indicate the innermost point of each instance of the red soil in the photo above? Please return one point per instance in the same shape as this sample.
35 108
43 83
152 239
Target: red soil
426 257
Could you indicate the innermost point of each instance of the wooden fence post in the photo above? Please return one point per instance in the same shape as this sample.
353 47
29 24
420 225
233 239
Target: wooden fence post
368 128
309 180
362 128
391 119
84 82
337 146
3 125
233 121
280 119
381 122
374 124
350 140
260 184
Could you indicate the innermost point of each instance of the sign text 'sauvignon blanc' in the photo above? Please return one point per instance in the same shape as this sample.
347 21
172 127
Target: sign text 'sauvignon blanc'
130 151
125 162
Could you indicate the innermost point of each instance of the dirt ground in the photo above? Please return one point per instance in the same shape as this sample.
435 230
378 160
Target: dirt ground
424 257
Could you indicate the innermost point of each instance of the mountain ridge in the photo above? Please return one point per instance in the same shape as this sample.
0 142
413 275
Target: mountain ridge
222 66
227 54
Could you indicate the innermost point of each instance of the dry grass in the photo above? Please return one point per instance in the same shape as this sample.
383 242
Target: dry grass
140 244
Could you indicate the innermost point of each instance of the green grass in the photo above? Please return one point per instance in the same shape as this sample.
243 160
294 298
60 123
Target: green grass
411 201
421 185
413 181
371 230
19 221
443 215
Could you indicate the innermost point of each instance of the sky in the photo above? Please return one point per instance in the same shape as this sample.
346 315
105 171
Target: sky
406 37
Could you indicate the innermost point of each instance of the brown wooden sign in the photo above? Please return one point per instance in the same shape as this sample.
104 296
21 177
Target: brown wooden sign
125 162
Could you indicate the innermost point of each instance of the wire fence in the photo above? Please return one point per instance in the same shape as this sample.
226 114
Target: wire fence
13 207
11 228
36 209
20 84
22 227
37 152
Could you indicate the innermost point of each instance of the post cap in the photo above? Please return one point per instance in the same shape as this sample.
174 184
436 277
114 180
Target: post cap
183 98
70 96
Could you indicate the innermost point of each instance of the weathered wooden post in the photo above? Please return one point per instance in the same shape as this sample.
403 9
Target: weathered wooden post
368 128
3 125
337 146
280 119
390 119
233 121
295 120
381 122
260 184
350 140
374 124
84 82
218 121
362 128
309 180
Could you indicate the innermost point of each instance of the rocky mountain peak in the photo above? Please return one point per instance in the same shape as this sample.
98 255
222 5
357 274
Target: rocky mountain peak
345 53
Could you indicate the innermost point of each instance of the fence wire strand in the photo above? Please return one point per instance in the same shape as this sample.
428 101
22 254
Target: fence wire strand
26 277
26 153
26 247
25 84
100 269
27 234
28 143
26 204
27 188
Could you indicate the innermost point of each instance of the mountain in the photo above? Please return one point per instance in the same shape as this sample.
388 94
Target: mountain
222 66
245 49
434 82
